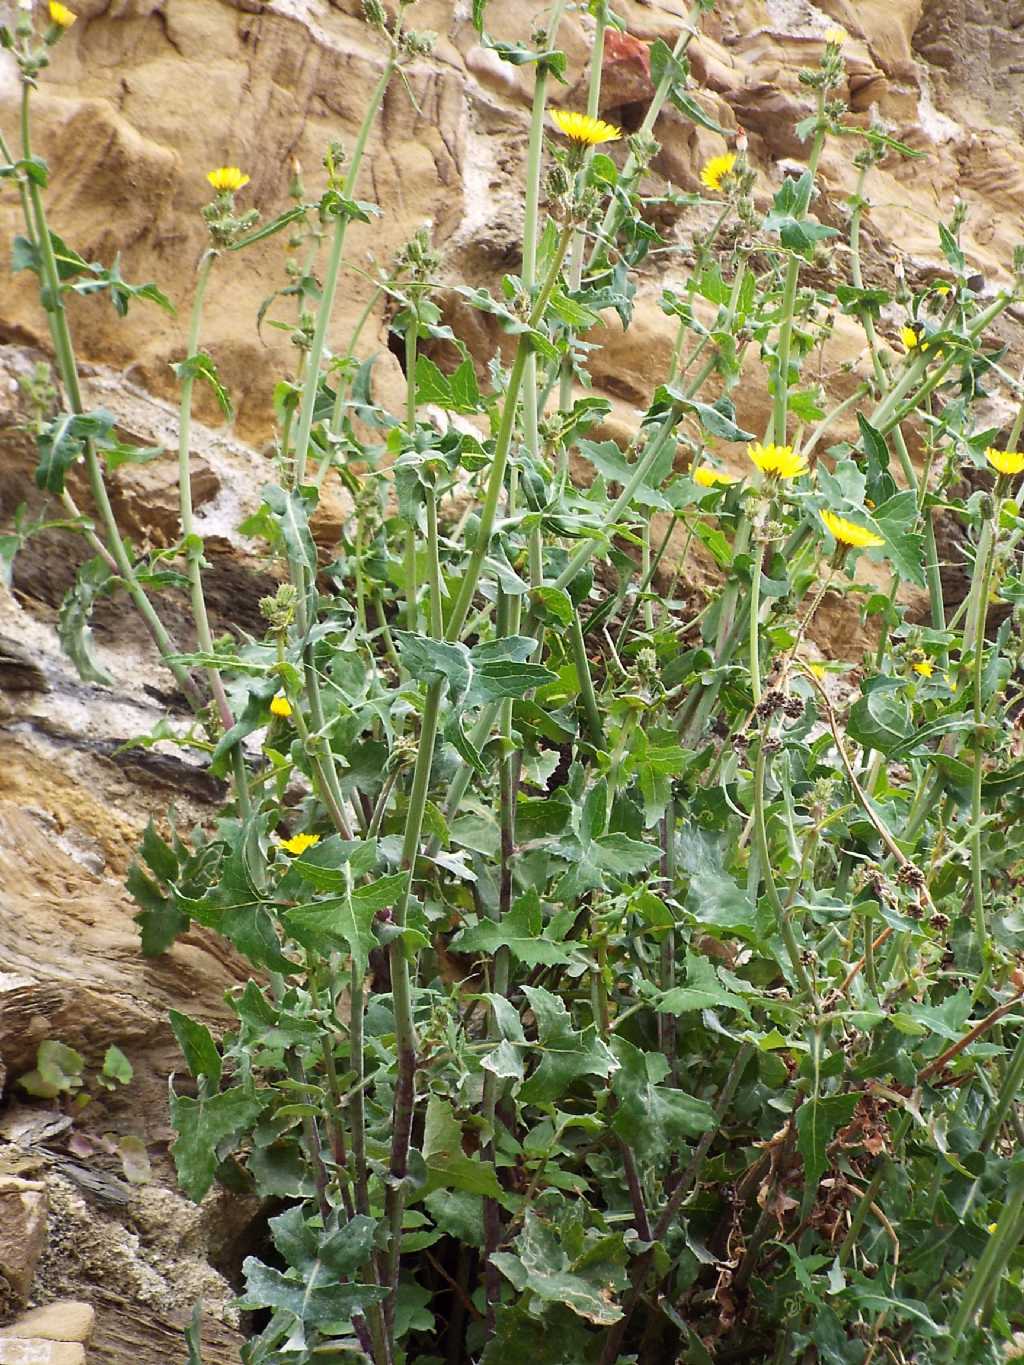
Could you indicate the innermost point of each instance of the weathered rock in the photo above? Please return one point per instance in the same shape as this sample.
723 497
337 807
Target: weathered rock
22 1231
66 1320
18 1351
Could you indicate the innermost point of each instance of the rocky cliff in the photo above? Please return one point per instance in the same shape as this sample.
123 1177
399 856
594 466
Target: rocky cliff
142 98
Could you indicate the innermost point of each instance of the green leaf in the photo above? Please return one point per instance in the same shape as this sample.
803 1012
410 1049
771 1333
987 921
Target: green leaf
862 302
816 1123
116 1066
239 912
688 106
200 366
622 856
903 547
650 1117
566 1054
73 630
880 719
193 1335
269 229
290 511
951 250
521 931
714 898
495 681
448 1166
312 1304
196 1042
703 990
62 442
160 921
428 659
58 1071
788 217
202 1125
344 921
555 603
717 418
587 1284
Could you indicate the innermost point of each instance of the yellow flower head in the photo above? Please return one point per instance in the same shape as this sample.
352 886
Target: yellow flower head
708 478
778 460
281 706
61 15
911 339
924 668
715 170
836 35
1006 461
848 533
943 287
298 843
581 128
227 179
818 669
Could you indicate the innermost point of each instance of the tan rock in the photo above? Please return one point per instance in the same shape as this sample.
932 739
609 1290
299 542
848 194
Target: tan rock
14 1351
66 1320
22 1230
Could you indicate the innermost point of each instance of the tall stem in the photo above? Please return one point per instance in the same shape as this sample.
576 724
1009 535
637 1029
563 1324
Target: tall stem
974 638
316 350
503 443
67 365
781 401
193 545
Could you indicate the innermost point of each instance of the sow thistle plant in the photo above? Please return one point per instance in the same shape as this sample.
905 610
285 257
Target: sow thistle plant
627 984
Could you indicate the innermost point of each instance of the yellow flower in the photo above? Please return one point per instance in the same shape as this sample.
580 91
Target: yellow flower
943 288
281 706
590 132
715 170
298 843
1006 461
992 1227
61 15
836 35
227 179
818 669
909 337
778 460
708 478
924 667
848 533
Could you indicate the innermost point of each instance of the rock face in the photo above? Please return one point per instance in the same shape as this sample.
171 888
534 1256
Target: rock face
275 80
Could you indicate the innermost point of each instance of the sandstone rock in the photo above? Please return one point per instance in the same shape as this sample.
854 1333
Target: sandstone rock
67 1320
18 1351
22 1230
626 70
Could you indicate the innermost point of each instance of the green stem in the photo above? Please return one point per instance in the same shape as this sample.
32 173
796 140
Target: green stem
192 544
54 304
988 1270
755 623
330 285
411 587
974 638
503 443
591 709
632 167
781 400
641 469
768 876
